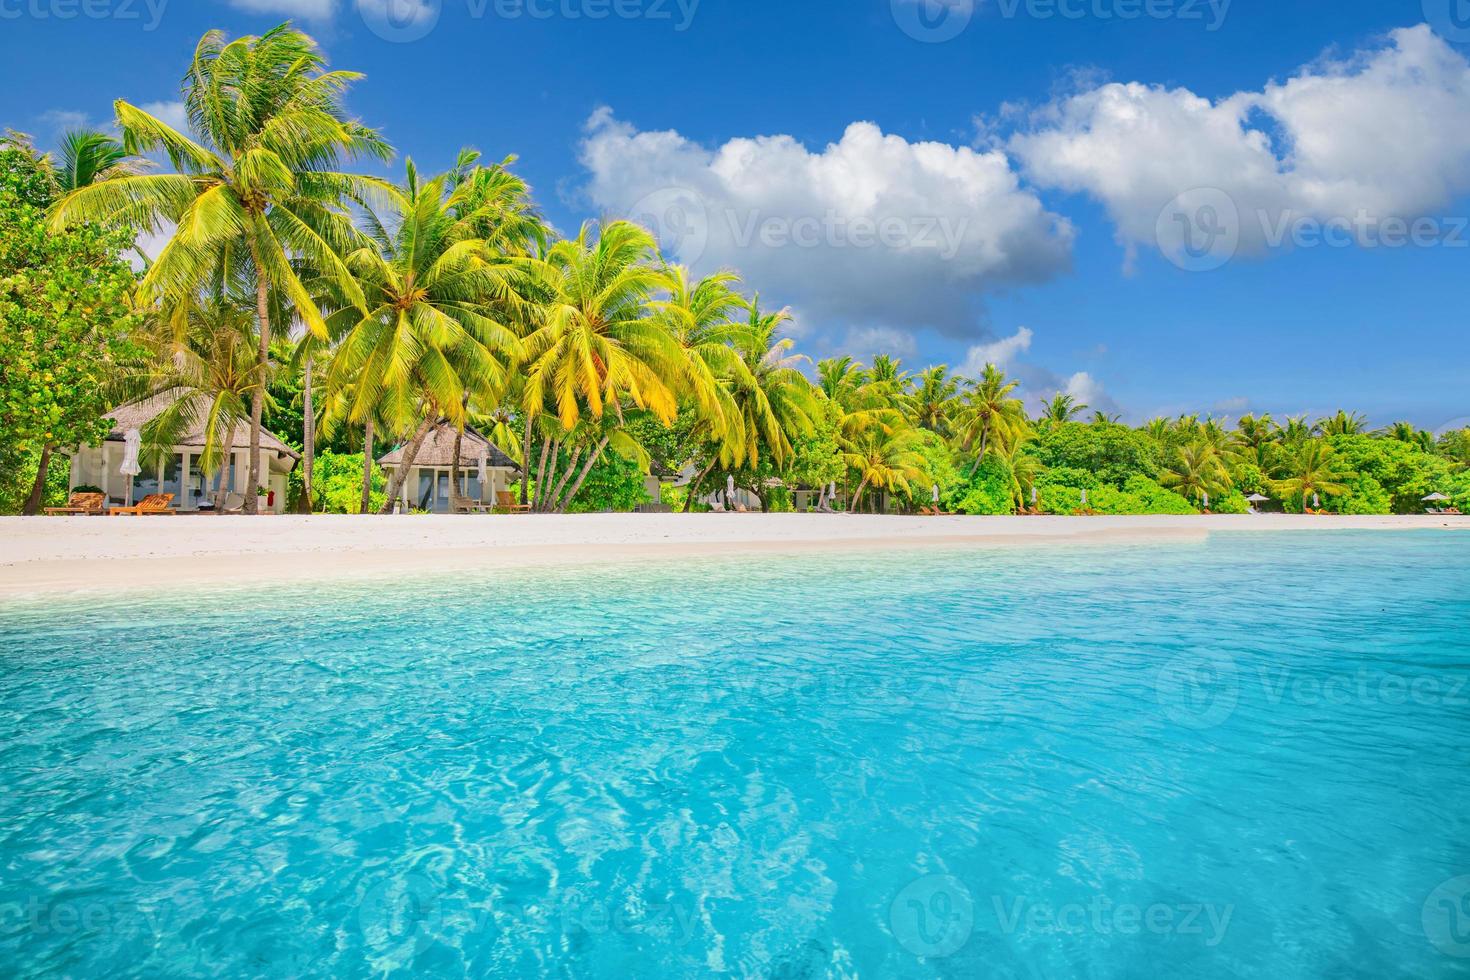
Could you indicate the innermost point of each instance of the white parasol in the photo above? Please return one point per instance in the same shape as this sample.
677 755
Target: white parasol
132 444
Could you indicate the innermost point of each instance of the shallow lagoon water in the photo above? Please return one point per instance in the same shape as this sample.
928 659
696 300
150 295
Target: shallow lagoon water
1243 758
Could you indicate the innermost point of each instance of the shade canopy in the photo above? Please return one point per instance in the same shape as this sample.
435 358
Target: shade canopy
132 442
1257 498
1435 498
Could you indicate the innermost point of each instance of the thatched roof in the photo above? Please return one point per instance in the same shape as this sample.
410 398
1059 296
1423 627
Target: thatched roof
135 415
438 450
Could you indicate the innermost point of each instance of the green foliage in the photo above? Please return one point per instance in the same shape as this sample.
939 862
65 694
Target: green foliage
337 483
1403 472
64 320
987 492
1112 453
1365 495
614 484
1061 493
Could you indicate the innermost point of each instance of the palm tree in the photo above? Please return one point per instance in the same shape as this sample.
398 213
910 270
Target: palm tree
774 401
884 452
1018 468
839 377
203 355
1106 418
1312 469
258 188
703 318
1257 432
990 414
1062 407
600 346
932 402
1343 424
433 334
1196 469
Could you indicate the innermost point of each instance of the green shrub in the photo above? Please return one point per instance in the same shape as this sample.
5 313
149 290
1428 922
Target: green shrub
337 484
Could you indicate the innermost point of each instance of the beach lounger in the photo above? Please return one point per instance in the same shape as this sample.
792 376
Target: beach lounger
153 505
81 505
505 502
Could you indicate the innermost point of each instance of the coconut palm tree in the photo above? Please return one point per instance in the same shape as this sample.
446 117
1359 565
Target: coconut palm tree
1018 468
203 354
703 318
884 451
1311 469
256 186
839 378
1343 424
433 334
1061 407
600 346
932 402
990 414
1196 469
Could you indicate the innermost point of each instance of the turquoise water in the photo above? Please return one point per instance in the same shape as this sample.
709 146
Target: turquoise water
1245 758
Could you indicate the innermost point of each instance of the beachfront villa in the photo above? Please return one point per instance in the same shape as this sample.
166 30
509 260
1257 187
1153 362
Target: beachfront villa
484 471
178 471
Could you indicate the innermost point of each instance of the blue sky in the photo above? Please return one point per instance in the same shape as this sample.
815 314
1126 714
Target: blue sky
1018 158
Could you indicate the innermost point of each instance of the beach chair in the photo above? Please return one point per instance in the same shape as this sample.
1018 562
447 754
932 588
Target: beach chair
466 505
81 505
506 503
153 505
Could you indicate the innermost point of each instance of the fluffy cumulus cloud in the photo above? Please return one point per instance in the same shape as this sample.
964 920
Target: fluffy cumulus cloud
872 231
1380 137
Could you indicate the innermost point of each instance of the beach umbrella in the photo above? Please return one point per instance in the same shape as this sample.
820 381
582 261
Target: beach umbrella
1207 501
1084 498
936 494
1033 496
1436 498
1257 498
730 492
1316 501
132 443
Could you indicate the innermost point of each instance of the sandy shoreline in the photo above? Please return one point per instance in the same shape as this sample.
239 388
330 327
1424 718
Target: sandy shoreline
46 555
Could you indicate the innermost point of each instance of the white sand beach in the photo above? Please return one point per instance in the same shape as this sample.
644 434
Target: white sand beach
46 555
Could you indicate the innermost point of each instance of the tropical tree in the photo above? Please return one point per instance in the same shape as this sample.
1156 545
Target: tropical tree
1195 470
430 334
599 348
990 414
932 402
884 451
1343 424
1312 469
1062 407
256 184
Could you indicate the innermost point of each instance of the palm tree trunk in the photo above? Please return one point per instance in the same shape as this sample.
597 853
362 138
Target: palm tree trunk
222 492
541 471
694 486
454 465
38 489
555 502
257 396
400 474
543 488
526 465
857 498
308 441
367 466
591 461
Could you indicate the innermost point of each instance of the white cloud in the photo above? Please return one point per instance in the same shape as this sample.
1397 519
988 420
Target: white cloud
1384 134
1002 353
866 342
1088 391
872 230
63 120
315 10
